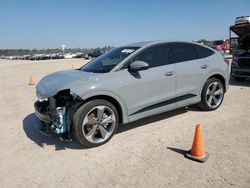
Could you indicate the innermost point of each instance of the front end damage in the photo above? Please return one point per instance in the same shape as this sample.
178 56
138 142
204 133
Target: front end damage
56 112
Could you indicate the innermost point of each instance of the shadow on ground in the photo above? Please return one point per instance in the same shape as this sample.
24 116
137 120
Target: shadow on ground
31 124
180 151
245 83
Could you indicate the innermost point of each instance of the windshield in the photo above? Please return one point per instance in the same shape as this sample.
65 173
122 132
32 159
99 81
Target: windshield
109 60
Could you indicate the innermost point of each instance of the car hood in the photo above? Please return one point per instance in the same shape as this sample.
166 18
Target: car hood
51 84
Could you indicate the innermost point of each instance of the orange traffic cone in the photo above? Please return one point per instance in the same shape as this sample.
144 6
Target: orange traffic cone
197 153
31 81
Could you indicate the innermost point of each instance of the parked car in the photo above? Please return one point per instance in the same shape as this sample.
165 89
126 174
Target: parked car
221 45
79 55
56 56
240 67
69 56
38 57
242 20
94 54
129 83
86 56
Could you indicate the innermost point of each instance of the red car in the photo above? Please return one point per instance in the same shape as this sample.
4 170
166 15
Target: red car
221 45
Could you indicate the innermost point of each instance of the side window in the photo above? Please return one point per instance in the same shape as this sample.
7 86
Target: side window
182 52
154 56
203 51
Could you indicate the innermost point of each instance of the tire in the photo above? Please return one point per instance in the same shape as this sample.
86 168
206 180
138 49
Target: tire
207 103
88 129
239 79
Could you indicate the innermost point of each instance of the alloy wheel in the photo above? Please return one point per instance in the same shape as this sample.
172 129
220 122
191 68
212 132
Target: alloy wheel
99 124
214 94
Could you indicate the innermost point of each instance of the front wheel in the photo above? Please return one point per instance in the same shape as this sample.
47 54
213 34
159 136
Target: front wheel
212 94
95 122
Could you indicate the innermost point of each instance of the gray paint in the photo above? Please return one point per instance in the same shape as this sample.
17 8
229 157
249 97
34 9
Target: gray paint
136 91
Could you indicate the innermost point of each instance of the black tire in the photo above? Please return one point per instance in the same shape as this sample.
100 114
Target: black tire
239 79
203 103
80 115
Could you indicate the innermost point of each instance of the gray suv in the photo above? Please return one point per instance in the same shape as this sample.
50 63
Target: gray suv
129 83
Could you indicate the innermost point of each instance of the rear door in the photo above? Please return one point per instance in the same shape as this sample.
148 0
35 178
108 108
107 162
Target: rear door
191 70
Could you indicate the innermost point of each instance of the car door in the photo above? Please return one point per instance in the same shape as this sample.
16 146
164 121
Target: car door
150 91
190 72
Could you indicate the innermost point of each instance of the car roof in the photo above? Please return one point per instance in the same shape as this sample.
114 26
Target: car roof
149 43
146 44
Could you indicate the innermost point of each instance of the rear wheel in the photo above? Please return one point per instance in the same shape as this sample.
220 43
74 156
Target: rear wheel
95 122
212 94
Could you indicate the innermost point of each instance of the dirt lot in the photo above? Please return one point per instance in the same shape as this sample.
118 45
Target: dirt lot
139 155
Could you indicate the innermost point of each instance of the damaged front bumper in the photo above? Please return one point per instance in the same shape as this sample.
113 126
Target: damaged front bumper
55 119
41 110
57 112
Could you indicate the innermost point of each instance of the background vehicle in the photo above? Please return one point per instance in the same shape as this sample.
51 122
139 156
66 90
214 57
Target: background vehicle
94 54
240 68
242 20
129 83
69 56
221 45
79 55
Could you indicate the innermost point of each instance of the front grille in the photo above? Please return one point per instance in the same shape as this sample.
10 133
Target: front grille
245 63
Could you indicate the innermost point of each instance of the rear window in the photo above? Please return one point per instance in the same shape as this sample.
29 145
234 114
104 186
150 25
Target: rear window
203 52
182 52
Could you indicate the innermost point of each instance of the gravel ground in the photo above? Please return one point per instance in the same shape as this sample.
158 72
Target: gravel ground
146 153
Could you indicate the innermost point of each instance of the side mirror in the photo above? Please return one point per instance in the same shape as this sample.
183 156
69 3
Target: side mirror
138 66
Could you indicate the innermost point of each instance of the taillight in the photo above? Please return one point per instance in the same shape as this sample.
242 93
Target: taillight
226 61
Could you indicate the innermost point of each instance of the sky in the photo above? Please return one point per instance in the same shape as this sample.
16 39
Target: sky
95 23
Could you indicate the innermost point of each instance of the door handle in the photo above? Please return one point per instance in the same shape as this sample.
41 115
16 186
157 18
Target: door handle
170 73
203 66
